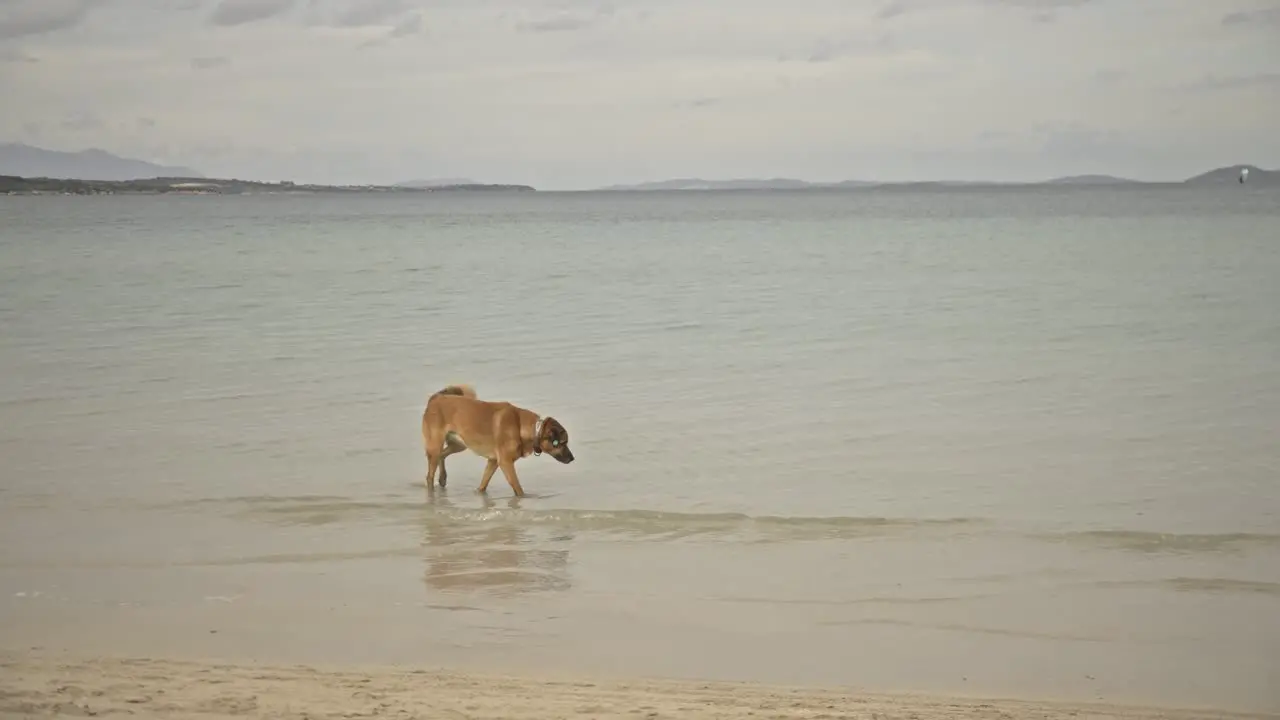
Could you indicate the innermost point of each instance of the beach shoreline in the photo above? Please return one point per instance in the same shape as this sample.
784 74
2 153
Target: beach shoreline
62 684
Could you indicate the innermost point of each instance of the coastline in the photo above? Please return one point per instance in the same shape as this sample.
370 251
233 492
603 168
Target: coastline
58 684
18 185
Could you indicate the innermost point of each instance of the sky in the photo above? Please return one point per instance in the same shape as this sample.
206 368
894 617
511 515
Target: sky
569 94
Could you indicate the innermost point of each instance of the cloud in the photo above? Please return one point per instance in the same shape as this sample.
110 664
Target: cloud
1109 76
398 17
411 25
1042 11
559 23
994 136
700 102
892 10
1264 16
210 62
19 18
1269 80
229 13
1041 4
370 12
82 121
828 51
567 19
17 57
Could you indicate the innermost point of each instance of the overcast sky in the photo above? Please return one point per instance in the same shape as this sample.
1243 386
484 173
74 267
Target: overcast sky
579 93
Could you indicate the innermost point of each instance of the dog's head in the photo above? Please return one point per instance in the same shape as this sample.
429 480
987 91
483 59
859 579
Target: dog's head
554 440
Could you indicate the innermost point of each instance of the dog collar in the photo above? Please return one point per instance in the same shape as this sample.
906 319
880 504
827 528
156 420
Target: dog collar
537 433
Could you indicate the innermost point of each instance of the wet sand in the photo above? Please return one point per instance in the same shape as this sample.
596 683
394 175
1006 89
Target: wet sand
141 688
903 607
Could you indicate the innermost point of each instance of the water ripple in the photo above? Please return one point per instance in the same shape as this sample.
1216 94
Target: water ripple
635 523
1162 542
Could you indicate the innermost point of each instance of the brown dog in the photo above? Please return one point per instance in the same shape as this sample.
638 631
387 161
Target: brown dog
455 420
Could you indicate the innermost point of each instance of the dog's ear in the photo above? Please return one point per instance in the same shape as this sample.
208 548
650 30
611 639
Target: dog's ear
555 433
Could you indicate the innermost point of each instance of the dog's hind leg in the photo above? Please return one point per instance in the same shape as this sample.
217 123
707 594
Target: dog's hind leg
433 461
452 446
431 444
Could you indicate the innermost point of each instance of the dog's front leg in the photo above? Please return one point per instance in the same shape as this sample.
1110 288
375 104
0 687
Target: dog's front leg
489 468
509 471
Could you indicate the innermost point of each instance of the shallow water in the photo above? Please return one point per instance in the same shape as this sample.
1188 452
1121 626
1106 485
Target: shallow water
1015 442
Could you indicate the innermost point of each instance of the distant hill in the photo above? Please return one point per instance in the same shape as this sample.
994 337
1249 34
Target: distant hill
793 184
15 185
736 184
1091 180
1231 175
439 182
93 164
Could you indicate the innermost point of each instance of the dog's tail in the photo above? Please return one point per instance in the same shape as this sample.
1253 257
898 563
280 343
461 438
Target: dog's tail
461 389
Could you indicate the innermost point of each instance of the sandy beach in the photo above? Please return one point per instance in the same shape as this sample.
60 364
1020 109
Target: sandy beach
142 687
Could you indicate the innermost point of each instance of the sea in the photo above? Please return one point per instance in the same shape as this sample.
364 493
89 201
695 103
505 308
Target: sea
987 442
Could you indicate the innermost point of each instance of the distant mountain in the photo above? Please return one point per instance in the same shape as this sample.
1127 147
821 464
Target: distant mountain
793 184
700 184
1231 175
439 182
1091 180
736 184
14 185
94 164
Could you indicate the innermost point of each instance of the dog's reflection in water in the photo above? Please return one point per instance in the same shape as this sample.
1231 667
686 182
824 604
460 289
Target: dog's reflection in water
474 546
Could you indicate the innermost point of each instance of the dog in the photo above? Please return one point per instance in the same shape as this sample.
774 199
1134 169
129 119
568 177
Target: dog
456 420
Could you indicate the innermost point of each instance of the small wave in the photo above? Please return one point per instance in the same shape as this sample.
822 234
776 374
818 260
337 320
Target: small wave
1158 542
870 600
1191 584
978 630
1200 584
674 525
684 325
650 524
299 509
312 557
255 500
